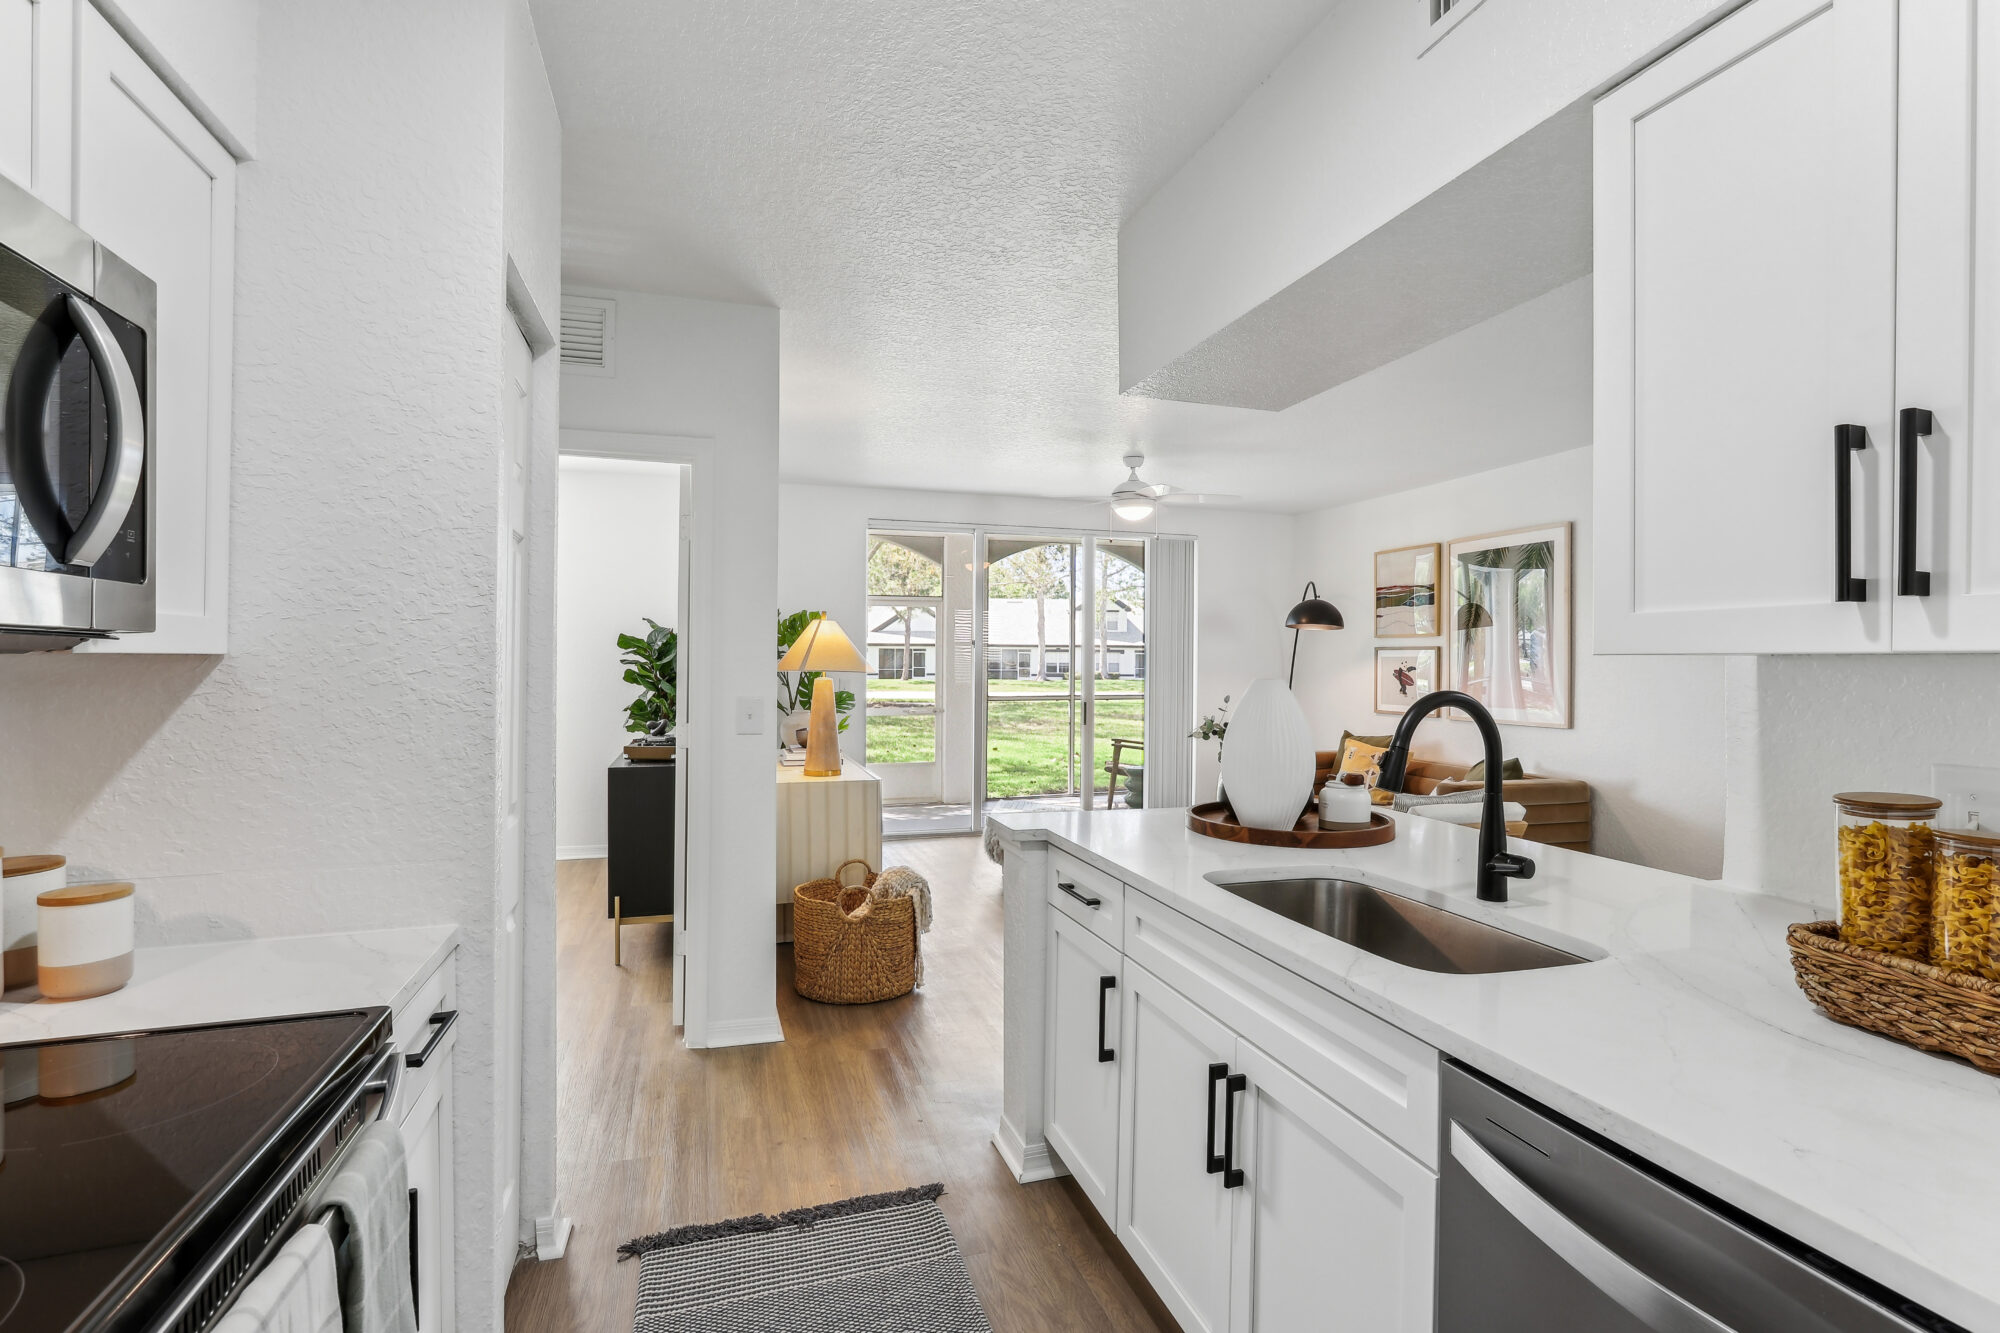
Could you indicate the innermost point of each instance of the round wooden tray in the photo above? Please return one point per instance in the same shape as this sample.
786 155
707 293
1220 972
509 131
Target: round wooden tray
1215 820
649 752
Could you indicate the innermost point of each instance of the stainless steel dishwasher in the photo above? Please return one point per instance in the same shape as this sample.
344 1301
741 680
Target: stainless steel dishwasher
1546 1228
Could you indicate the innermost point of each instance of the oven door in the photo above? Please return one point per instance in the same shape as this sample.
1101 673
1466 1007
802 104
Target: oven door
74 513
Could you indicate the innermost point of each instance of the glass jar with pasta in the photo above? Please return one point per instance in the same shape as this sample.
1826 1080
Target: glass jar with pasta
1966 905
1887 855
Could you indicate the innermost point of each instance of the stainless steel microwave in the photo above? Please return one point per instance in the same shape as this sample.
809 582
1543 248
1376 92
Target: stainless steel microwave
77 523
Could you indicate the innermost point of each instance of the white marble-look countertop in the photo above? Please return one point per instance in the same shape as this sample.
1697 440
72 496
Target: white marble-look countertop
184 985
1688 1041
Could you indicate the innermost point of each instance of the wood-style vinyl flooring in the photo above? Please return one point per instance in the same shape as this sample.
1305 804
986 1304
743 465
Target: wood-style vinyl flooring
856 1100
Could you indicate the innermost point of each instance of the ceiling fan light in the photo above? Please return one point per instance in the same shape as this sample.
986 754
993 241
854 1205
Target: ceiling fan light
1132 508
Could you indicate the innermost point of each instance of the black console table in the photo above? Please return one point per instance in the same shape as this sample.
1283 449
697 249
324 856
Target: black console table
639 870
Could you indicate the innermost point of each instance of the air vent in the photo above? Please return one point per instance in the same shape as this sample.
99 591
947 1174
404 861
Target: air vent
589 334
1440 17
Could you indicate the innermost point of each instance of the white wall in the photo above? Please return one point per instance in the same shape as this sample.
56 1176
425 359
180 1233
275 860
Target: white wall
1243 572
336 769
1648 732
698 380
617 563
1351 129
1808 727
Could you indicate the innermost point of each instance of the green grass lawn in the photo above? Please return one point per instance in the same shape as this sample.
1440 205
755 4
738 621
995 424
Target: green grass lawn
1027 738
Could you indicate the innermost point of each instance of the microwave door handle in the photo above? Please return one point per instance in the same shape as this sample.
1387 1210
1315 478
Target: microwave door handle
1657 1307
126 456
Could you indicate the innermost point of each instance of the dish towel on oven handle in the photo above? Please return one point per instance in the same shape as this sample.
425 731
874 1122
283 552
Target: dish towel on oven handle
298 1291
372 1189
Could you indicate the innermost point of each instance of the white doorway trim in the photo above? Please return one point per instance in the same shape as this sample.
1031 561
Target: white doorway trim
699 919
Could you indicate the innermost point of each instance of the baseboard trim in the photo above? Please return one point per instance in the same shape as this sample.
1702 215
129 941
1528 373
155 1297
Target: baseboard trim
551 1236
1029 1162
593 851
745 1031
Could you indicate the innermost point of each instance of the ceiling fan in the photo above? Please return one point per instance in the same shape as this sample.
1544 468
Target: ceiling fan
1133 498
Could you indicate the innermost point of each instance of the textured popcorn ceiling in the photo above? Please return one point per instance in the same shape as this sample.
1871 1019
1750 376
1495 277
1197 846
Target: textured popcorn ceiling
931 194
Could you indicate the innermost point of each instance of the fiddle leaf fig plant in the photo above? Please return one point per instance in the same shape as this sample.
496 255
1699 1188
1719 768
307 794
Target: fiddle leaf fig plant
795 688
652 664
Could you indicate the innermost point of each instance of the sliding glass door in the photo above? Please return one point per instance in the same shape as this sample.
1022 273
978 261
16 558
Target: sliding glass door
1065 653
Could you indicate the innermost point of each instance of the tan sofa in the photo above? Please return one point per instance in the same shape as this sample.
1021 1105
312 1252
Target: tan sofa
1558 808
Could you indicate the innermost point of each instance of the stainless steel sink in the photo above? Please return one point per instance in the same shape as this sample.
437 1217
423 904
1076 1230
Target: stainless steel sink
1399 929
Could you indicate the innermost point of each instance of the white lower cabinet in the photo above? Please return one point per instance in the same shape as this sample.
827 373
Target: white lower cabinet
427 1143
424 1032
1336 1228
1260 1183
1084 1035
1175 1216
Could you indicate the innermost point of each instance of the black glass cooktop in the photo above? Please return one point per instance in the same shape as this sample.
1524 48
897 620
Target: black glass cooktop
119 1154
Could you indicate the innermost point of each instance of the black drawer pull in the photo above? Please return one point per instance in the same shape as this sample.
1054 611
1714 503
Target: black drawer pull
1090 900
1105 985
441 1024
1232 1174
416 1282
1848 440
1912 424
1217 1073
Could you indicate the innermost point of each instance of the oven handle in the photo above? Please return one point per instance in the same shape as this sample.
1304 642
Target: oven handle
1653 1305
125 458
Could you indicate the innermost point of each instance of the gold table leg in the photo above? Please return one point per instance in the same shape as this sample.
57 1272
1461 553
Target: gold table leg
617 932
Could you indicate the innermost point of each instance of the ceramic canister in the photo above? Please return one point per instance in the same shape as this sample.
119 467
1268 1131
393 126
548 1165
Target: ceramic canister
25 878
1267 764
85 947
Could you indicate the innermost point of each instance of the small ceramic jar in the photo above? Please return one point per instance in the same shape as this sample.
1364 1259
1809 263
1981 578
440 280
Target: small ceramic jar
25 878
1343 805
85 947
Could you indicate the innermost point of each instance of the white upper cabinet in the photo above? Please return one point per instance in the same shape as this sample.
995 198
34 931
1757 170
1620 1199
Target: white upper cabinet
156 187
35 80
1946 556
1745 313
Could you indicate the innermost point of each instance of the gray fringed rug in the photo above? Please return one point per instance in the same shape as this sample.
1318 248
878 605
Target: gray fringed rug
882 1263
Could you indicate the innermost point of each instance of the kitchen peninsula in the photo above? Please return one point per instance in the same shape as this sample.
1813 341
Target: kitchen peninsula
1680 1038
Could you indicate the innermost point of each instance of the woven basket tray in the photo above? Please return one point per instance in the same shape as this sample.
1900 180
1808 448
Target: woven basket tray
1924 1006
849 947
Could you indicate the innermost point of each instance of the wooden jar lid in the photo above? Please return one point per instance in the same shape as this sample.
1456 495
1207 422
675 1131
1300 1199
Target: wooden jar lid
1889 803
1970 839
30 865
82 895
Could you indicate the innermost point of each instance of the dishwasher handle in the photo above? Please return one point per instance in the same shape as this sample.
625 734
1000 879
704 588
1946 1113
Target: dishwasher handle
1653 1305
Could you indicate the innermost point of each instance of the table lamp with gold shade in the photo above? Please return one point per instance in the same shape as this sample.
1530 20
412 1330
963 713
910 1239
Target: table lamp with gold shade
822 647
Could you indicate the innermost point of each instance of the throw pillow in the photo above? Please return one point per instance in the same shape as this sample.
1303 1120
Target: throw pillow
1510 770
1366 760
1340 752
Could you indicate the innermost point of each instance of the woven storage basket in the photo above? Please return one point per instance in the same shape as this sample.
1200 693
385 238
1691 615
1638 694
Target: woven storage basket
1924 1006
847 946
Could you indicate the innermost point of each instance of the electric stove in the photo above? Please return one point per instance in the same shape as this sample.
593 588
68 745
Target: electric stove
127 1161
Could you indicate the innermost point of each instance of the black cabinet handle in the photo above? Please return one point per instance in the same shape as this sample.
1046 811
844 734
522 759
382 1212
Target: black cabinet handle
1848 440
1217 1073
440 1024
1092 901
1912 424
416 1301
1232 1174
1105 985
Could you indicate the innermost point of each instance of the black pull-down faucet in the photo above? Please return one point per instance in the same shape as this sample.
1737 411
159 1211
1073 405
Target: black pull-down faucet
1497 865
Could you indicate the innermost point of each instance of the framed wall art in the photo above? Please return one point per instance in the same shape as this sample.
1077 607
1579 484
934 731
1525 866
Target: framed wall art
1510 623
1406 592
1403 676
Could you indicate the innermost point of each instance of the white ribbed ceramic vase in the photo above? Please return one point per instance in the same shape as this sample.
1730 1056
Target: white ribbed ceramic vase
1267 758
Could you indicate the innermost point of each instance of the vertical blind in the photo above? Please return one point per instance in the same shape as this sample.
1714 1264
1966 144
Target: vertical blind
1170 644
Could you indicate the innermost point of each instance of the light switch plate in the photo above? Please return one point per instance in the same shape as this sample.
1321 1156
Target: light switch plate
750 714
1971 795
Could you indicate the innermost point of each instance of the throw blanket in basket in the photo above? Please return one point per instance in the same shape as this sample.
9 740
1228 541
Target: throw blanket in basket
858 943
